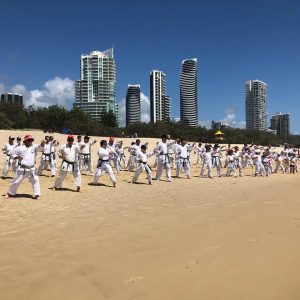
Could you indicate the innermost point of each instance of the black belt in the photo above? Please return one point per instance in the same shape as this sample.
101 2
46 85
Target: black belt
185 160
69 163
167 156
146 165
48 155
101 161
86 157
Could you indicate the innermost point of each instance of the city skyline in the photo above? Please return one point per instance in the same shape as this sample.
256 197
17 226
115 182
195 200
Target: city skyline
230 48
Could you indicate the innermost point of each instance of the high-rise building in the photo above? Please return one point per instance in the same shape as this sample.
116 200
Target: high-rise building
133 104
96 89
188 92
159 101
12 98
256 105
281 123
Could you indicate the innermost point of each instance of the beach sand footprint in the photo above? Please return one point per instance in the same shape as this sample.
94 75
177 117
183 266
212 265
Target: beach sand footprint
252 241
132 280
211 249
191 264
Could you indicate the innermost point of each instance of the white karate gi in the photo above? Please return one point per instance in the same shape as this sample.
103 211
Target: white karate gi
26 169
9 161
132 161
142 159
206 164
163 159
69 164
104 165
85 158
47 158
183 161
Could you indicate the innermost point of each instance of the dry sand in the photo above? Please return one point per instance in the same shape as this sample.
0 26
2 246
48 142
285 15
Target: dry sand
224 238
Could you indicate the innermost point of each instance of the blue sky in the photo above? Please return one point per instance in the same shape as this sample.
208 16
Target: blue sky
41 44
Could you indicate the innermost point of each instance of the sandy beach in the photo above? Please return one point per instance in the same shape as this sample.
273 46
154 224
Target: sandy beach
220 239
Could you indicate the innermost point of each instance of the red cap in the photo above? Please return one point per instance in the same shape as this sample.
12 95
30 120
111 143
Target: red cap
28 137
111 139
70 138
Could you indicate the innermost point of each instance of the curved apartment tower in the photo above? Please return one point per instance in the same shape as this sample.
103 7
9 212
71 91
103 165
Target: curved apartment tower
256 105
188 92
133 104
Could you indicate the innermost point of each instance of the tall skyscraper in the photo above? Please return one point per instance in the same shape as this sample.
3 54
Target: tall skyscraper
12 98
281 123
256 105
133 104
159 102
96 89
188 92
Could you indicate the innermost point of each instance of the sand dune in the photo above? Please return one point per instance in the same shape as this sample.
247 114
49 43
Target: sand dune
227 238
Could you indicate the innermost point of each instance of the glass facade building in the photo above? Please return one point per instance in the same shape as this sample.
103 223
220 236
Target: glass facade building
96 89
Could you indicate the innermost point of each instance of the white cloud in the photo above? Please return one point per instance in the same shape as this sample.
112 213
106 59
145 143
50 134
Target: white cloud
145 110
58 91
231 118
206 124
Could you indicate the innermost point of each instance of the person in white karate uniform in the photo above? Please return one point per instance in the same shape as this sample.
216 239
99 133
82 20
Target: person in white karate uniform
26 155
134 150
163 157
199 150
47 158
7 149
175 148
103 163
69 153
259 168
120 155
142 159
206 162
183 161
85 160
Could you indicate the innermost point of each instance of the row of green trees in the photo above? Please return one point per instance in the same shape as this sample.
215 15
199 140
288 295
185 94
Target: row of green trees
57 118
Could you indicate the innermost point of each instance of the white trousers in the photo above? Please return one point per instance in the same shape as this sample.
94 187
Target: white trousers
259 168
85 163
208 166
279 166
104 167
184 164
131 163
64 170
8 165
43 165
216 162
20 175
140 169
163 165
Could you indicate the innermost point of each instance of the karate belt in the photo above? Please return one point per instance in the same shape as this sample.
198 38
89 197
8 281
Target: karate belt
86 158
101 161
68 164
53 155
49 155
145 165
25 169
215 160
185 161
167 158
